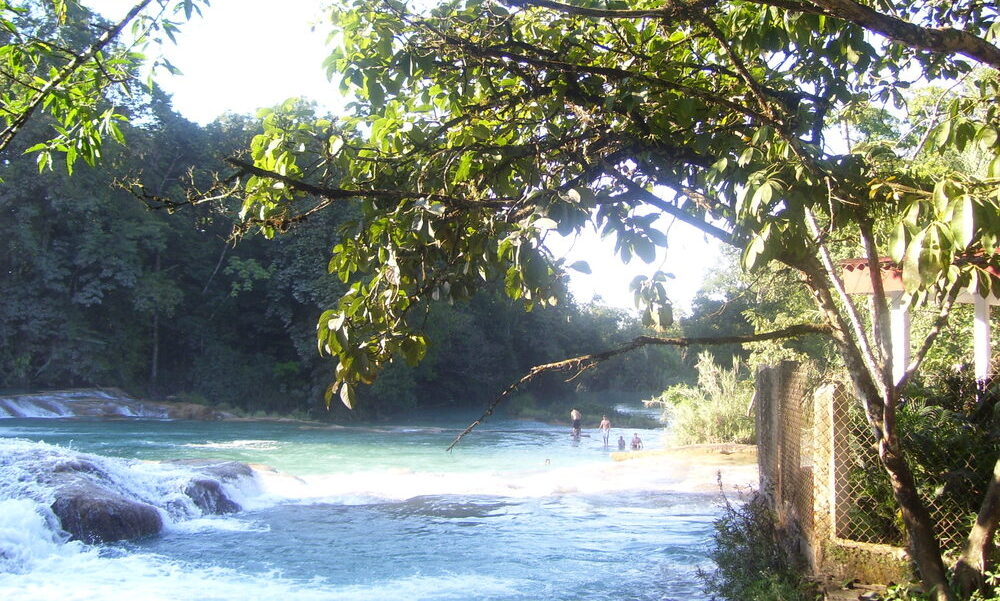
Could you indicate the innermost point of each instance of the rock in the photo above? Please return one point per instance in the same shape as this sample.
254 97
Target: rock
209 497
96 515
207 493
91 509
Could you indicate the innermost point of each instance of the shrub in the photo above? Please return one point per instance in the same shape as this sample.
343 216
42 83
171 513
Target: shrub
714 411
750 562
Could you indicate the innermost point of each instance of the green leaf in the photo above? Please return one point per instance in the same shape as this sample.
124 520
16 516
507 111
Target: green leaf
911 262
963 220
414 349
645 250
664 316
897 244
986 137
336 143
464 167
942 134
347 395
544 224
761 196
581 266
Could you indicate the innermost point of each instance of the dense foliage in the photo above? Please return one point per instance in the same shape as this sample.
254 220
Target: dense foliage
101 291
952 436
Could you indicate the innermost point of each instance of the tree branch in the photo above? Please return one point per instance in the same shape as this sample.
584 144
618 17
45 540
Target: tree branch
8 134
583 362
945 40
676 212
835 283
343 193
939 323
667 11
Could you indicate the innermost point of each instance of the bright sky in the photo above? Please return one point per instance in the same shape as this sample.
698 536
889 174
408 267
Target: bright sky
247 54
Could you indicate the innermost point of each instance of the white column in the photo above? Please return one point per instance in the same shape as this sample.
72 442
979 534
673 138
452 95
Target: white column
981 337
899 320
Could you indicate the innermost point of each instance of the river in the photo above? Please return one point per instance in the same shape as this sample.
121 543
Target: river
519 511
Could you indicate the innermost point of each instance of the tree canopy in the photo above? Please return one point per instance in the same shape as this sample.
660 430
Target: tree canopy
482 125
61 60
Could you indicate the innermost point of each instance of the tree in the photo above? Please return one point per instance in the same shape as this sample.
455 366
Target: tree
482 125
61 60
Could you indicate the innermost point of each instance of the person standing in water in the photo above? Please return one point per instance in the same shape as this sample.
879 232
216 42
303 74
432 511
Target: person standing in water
636 442
605 428
577 417
621 443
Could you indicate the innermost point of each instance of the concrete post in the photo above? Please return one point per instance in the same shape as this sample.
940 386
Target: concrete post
981 338
823 484
899 320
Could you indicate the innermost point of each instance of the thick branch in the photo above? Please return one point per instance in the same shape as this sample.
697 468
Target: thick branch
970 571
667 11
676 212
945 40
880 323
939 323
343 193
857 328
583 362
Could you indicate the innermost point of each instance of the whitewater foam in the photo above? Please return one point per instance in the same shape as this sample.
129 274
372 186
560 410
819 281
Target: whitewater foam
32 472
76 403
393 485
251 445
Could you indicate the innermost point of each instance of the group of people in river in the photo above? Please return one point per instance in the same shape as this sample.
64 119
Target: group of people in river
605 427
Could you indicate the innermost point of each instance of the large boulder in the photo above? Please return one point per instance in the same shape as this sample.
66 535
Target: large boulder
93 514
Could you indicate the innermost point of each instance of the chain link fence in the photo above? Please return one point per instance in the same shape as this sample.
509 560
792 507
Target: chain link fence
820 467
948 481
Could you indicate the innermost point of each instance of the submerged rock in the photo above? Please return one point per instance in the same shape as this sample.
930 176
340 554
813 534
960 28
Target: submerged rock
93 514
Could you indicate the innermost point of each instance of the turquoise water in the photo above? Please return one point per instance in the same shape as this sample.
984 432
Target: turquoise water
519 511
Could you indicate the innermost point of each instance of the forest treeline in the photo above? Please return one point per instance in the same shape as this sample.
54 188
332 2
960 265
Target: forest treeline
100 289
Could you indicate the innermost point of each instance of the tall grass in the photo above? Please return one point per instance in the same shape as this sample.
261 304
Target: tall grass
714 411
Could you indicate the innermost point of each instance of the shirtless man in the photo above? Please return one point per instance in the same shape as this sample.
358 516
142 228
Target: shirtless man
576 416
605 428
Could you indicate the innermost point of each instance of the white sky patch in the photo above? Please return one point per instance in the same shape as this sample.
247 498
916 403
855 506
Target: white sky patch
688 256
242 55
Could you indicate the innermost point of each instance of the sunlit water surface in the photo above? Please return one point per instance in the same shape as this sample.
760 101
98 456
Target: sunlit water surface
518 511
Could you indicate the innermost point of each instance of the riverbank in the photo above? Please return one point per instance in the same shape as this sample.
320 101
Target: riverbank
698 468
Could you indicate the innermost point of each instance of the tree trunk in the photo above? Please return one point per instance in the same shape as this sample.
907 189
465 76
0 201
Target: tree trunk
923 544
880 413
970 571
